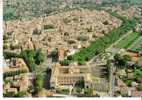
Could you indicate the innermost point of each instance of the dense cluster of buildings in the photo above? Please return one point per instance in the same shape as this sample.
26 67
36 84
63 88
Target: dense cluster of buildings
15 76
120 85
67 27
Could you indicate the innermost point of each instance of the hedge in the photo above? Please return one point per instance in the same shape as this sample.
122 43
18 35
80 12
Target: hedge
13 73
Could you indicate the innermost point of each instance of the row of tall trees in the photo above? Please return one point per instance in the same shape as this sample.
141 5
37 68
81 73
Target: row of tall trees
38 84
13 73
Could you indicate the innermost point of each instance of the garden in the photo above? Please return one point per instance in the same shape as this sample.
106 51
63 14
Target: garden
137 45
128 40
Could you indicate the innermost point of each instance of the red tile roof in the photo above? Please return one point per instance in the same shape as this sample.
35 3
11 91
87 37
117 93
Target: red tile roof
136 93
132 54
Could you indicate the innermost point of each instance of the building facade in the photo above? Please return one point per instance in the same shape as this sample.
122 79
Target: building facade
69 75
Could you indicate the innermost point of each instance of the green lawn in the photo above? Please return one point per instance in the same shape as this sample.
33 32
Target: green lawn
137 45
128 40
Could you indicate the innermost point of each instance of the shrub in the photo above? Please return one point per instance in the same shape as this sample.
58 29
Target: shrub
62 91
88 91
39 57
13 73
5 46
5 37
81 62
78 90
8 55
54 53
36 31
70 57
64 62
83 38
80 84
38 83
128 82
49 26
127 57
139 87
20 94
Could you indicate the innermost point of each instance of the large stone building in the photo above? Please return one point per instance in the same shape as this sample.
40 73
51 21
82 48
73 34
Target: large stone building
69 75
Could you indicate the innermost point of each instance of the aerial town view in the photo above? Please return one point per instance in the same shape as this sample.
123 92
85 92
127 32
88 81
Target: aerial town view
72 48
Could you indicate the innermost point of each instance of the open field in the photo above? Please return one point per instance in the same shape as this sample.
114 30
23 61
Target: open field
136 45
127 41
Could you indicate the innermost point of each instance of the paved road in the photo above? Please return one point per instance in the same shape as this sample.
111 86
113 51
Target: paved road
47 77
45 69
112 78
62 95
113 68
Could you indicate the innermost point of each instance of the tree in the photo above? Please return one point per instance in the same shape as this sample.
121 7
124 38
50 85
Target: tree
128 82
137 73
64 62
80 84
8 55
121 61
20 94
28 56
8 94
88 91
78 90
139 87
39 57
62 91
117 57
38 83
5 36
81 62
70 57
54 53
13 73
127 57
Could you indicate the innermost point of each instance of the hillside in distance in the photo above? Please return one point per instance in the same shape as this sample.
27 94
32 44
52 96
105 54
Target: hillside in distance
27 9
